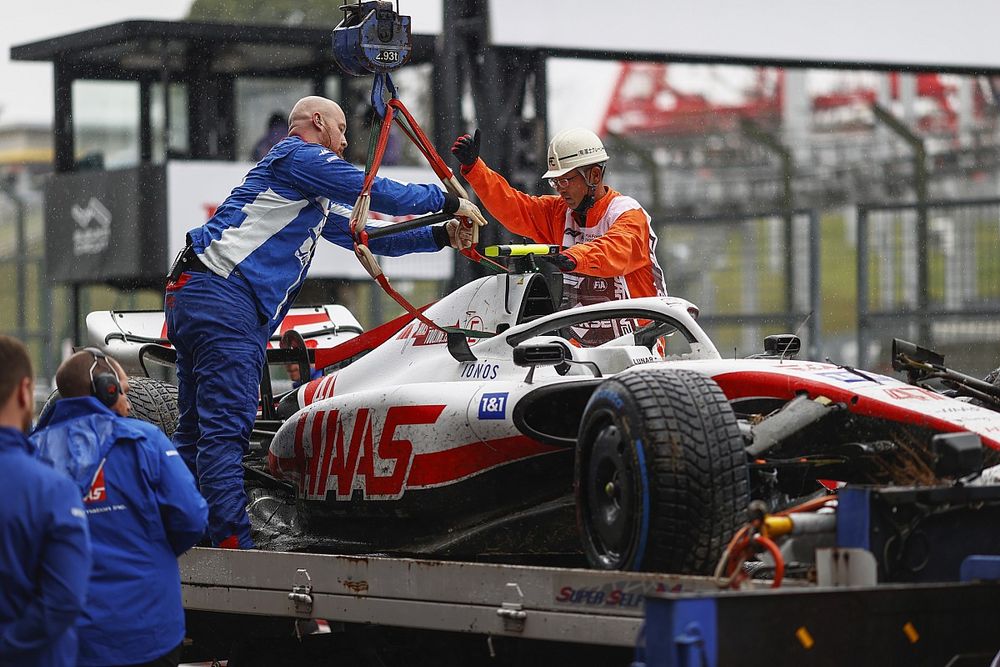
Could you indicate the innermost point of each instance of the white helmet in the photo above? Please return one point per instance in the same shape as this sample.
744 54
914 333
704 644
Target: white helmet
574 148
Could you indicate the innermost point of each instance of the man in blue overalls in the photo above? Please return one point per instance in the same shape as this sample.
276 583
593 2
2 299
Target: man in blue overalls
241 271
44 542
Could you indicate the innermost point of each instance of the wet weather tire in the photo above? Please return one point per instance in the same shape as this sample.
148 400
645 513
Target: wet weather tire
661 473
155 402
152 401
49 404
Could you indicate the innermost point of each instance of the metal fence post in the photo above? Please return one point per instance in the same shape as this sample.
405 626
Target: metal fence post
75 307
815 273
862 238
50 355
753 132
22 269
916 143
20 253
645 155
923 245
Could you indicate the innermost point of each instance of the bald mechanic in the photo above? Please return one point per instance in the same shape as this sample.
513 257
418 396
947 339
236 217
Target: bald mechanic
609 248
230 288
143 508
44 542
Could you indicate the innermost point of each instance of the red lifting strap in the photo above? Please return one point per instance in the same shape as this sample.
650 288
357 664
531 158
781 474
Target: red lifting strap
369 340
411 129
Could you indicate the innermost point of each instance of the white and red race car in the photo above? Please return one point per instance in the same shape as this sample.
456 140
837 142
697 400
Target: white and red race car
645 450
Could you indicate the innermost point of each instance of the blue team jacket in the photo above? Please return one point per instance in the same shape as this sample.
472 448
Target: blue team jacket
144 511
44 559
266 230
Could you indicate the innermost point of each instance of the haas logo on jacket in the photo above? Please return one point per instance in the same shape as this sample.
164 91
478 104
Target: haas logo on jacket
98 492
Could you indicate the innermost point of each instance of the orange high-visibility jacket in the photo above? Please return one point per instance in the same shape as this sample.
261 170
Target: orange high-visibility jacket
616 242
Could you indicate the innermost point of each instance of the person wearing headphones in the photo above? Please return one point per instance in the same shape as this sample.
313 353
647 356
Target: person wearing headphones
143 508
609 247
44 542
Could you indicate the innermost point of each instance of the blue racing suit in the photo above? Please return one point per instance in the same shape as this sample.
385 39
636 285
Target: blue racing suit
44 559
144 511
253 255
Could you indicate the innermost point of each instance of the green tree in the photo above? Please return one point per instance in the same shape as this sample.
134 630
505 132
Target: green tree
314 13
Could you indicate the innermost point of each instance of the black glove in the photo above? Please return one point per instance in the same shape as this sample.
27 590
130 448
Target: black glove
466 149
440 234
561 261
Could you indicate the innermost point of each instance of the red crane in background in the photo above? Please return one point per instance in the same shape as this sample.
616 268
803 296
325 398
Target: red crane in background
644 102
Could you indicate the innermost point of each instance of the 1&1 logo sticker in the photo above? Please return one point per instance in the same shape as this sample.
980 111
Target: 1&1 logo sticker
493 406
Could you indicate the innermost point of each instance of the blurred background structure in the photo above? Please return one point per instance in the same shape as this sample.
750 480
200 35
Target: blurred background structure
847 197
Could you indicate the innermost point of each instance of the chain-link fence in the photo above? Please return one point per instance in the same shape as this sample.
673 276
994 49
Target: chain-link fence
750 275
26 300
931 275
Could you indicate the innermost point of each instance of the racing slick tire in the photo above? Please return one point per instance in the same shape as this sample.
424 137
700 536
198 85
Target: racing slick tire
152 401
661 474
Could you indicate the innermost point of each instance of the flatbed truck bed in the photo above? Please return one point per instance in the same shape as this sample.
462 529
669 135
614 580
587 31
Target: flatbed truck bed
548 603
597 617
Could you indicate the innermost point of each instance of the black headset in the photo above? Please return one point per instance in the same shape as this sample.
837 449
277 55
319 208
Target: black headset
106 387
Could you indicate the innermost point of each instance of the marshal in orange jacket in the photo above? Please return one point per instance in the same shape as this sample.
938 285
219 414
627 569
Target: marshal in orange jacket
614 248
615 241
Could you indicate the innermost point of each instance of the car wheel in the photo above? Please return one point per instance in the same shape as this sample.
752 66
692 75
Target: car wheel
661 473
155 402
49 404
152 401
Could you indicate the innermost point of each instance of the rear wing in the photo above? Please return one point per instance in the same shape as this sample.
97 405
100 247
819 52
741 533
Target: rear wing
138 337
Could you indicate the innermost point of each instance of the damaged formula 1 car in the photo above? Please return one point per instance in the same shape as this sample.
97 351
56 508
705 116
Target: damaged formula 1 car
506 439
